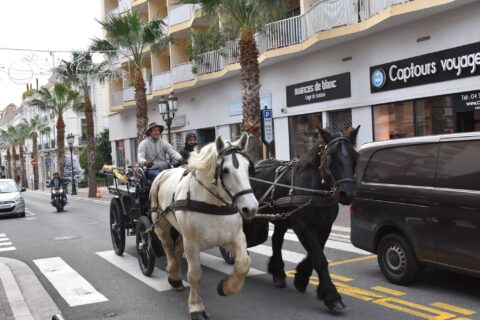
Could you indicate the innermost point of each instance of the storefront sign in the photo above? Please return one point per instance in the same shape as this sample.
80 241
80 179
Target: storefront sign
467 101
179 121
267 125
235 108
450 64
330 88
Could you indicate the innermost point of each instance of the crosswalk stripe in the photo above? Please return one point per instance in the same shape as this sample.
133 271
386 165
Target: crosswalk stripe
340 228
73 288
339 245
158 280
14 294
338 235
216 263
3 244
4 239
2 235
7 249
287 255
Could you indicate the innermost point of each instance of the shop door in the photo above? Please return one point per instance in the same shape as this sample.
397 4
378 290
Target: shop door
205 136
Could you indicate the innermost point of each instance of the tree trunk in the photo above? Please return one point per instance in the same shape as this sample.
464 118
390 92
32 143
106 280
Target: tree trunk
9 163
92 175
14 162
35 157
250 80
23 171
61 144
141 99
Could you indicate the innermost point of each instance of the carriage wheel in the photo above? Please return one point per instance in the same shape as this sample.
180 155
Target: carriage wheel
117 227
227 256
145 253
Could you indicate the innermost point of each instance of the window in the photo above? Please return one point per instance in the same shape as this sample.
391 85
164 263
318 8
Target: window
393 120
409 165
303 133
339 121
458 166
236 131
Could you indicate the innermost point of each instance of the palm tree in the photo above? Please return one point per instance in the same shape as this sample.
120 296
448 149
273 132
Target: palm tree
248 17
60 99
6 142
82 72
35 128
12 134
128 35
22 134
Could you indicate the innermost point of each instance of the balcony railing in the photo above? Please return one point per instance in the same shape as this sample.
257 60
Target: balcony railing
128 94
324 15
162 80
181 14
182 72
117 98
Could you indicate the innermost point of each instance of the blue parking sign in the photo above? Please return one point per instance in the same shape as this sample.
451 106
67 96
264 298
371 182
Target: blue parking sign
267 125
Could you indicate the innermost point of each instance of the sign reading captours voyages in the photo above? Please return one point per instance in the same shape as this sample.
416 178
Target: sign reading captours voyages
324 89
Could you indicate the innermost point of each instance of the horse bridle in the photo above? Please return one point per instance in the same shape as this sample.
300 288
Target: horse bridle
328 158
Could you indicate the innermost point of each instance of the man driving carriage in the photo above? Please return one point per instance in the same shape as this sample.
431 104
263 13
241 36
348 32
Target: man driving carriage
152 151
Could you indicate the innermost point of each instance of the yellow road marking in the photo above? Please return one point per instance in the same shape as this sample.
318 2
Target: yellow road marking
358 293
389 291
315 281
456 309
408 307
336 263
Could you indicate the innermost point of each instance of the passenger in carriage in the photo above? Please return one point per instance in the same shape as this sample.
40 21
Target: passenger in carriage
152 151
190 145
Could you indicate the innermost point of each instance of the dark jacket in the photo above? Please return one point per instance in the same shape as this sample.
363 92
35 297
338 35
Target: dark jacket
185 152
57 184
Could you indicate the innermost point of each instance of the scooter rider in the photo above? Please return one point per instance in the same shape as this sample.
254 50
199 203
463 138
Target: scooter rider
152 151
57 183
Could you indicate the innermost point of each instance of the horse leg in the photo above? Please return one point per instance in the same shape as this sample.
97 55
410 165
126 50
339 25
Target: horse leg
302 276
195 303
234 282
326 290
275 264
173 260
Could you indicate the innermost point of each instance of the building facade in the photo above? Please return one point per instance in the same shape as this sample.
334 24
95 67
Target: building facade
397 68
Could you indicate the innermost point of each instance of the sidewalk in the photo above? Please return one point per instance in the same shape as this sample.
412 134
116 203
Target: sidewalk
83 193
22 296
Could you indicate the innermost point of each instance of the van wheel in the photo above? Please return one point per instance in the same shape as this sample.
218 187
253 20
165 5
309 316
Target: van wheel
397 260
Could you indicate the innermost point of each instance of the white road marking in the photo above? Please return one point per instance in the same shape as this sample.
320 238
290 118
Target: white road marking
2 235
14 295
218 264
338 235
3 244
4 239
158 280
7 249
70 285
30 213
30 219
339 228
287 255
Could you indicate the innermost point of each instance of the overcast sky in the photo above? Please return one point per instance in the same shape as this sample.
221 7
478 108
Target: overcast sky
40 24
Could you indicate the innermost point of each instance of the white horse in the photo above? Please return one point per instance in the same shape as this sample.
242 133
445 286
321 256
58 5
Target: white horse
204 204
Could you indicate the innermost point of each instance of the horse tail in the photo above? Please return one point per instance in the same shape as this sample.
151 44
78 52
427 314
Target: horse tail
154 193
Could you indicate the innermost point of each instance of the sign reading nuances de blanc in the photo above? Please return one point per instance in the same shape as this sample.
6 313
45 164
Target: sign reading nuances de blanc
450 64
324 89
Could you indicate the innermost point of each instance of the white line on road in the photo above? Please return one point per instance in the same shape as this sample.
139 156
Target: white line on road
3 244
287 255
30 219
30 213
339 228
14 295
218 264
2 235
70 285
7 249
4 239
158 280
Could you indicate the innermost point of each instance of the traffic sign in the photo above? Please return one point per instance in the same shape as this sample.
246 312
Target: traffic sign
48 161
267 126
34 163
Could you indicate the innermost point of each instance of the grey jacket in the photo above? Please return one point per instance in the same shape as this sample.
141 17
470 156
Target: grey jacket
156 151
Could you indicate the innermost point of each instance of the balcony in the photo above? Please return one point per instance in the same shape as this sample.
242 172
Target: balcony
129 94
324 15
181 13
183 72
162 80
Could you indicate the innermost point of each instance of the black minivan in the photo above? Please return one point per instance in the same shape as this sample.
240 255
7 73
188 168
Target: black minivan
418 203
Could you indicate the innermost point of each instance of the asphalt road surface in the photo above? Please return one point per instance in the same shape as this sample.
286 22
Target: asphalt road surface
73 250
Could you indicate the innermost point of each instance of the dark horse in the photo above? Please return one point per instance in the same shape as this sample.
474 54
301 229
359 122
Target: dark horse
330 165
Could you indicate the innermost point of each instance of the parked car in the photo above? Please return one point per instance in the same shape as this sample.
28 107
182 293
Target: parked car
11 199
418 204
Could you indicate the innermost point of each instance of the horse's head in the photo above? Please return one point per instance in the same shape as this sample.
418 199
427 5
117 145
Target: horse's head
233 170
338 160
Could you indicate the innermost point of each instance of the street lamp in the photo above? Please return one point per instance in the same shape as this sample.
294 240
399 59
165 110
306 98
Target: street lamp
167 108
70 141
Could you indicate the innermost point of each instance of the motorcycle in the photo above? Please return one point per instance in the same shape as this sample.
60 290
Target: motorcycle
59 197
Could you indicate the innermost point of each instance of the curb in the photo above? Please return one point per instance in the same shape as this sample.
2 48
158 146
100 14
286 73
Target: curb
27 297
74 197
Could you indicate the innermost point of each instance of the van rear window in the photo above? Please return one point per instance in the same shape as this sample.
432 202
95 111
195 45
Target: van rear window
459 165
405 165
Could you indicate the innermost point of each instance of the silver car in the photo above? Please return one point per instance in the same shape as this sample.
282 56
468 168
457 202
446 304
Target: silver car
11 199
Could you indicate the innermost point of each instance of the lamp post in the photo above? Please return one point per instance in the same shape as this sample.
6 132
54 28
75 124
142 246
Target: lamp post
70 140
167 108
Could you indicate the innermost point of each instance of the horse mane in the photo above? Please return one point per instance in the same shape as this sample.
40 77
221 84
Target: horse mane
312 158
204 162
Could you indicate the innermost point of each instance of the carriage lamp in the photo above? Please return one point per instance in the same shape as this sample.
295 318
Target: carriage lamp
70 141
167 108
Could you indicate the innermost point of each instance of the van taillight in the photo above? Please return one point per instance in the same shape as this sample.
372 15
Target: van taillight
352 208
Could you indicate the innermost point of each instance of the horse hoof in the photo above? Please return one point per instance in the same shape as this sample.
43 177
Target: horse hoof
300 285
220 289
177 285
279 282
199 315
336 306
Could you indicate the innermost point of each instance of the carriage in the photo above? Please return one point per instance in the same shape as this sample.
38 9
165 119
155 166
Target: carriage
130 216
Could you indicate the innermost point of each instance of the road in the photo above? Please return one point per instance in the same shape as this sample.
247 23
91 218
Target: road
77 243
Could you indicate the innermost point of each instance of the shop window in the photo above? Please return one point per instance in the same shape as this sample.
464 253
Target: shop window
303 133
236 131
433 116
339 121
393 120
